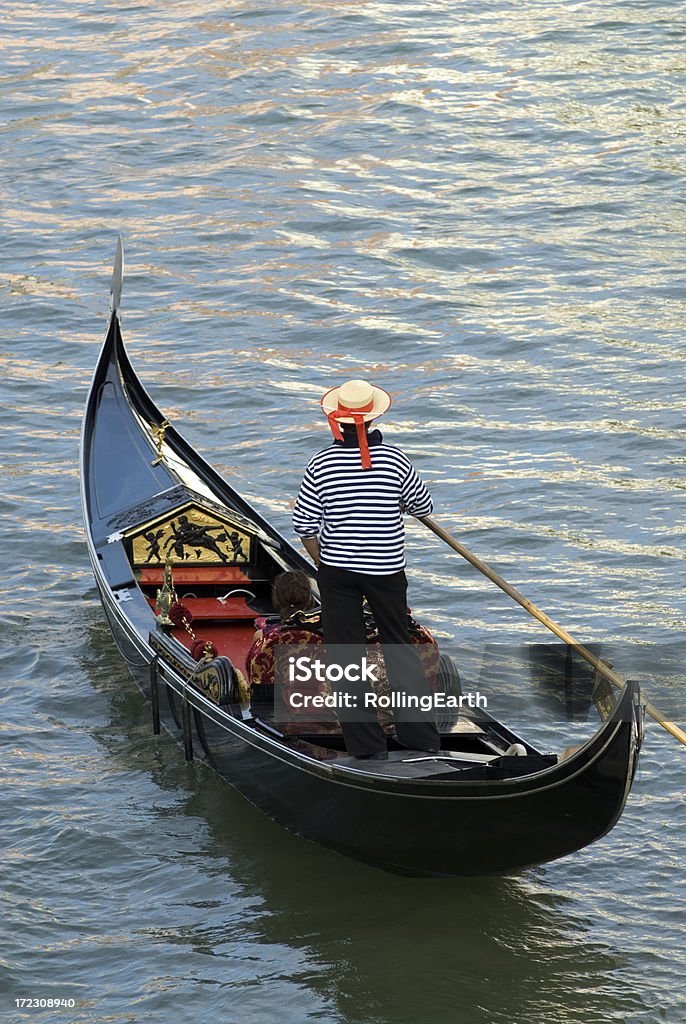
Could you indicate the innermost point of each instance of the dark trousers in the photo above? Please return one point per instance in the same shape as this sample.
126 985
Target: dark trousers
342 594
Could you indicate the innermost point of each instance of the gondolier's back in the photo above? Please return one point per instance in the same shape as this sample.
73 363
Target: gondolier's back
357 514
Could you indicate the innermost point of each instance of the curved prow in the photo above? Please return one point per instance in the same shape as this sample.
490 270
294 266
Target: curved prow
117 276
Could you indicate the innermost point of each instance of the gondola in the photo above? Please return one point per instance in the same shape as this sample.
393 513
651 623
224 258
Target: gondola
159 520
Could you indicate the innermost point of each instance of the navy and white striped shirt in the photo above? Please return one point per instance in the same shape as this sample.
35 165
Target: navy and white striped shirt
356 512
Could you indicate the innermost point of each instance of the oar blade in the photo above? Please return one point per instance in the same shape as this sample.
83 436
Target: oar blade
600 666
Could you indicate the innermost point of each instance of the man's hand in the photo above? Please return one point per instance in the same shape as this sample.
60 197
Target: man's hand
311 545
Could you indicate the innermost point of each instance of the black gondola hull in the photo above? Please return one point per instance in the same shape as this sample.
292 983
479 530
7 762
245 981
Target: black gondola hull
435 832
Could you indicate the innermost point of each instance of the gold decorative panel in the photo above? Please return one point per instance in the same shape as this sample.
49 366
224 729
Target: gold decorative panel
191 536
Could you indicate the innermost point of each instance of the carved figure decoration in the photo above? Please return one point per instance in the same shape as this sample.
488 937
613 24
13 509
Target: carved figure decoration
191 535
194 535
238 552
153 540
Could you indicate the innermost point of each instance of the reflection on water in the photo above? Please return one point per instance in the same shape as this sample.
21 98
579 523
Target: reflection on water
384 948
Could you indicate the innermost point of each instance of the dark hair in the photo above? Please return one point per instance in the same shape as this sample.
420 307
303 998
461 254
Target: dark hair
291 592
351 428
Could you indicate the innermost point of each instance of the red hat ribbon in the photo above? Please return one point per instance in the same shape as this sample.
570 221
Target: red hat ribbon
357 415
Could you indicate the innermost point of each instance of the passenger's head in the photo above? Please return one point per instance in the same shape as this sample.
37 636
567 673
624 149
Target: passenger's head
291 592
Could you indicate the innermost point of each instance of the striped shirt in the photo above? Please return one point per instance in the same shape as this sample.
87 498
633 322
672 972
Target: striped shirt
356 512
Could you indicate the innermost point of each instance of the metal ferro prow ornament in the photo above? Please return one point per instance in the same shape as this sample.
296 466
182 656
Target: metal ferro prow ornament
158 434
166 597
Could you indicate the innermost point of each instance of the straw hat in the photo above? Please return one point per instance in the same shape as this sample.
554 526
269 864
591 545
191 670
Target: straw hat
356 402
358 398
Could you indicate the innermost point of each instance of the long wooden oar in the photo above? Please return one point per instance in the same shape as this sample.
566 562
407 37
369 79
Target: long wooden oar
598 665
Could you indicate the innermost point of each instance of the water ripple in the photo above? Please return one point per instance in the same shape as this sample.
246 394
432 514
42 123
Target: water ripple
481 208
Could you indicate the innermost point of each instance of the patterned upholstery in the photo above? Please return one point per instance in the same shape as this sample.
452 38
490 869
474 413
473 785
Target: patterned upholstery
304 629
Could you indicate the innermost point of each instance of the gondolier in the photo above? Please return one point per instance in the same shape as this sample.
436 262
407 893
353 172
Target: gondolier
348 515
